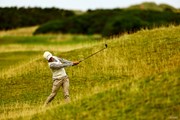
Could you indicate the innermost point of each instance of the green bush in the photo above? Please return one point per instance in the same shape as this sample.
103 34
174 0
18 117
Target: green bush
123 24
13 17
110 22
53 27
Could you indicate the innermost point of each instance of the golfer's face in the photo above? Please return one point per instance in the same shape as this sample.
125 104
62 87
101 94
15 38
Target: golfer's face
51 59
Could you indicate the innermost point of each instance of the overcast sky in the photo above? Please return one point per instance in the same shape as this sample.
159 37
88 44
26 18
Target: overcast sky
82 4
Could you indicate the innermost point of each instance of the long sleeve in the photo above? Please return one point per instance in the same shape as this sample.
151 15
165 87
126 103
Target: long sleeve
64 60
58 66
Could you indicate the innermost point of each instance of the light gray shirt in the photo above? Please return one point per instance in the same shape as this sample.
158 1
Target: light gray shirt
57 67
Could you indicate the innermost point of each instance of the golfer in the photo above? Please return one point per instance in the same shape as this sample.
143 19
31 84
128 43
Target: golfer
60 78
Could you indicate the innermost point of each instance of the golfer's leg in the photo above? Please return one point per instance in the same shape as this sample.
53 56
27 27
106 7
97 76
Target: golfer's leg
66 89
55 88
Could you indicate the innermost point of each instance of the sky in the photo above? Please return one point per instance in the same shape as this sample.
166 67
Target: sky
82 4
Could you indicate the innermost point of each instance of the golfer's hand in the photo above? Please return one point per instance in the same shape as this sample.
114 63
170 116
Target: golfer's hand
76 63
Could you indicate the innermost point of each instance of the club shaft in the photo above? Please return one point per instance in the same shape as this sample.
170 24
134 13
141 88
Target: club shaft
92 54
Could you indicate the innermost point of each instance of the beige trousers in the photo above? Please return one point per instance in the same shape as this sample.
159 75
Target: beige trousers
64 83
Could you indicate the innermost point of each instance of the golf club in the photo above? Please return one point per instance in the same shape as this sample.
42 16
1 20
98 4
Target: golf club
94 53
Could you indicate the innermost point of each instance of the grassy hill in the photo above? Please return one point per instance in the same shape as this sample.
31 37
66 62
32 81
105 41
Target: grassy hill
153 6
137 77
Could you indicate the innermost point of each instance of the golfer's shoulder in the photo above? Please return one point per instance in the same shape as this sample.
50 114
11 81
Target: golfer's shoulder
53 65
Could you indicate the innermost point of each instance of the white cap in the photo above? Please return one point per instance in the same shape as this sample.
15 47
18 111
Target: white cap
47 55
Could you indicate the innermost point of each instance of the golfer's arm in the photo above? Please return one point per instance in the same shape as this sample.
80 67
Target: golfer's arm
64 60
53 65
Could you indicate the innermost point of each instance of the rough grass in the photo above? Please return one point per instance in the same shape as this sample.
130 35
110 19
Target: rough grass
46 42
26 31
137 77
